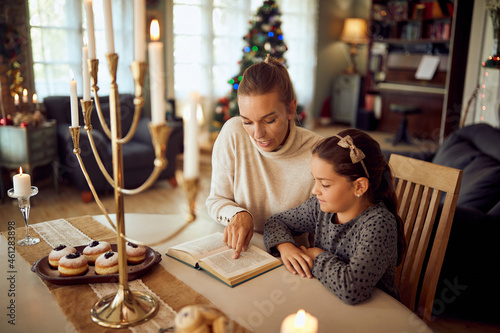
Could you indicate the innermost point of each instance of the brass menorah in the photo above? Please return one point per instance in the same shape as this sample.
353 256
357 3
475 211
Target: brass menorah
126 307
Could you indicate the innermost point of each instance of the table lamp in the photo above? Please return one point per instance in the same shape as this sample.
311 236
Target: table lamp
354 33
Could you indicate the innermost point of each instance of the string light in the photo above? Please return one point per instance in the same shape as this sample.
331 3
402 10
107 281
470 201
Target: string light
247 49
270 34
483 97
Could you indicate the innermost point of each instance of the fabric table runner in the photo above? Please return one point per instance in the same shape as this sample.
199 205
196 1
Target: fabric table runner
172 293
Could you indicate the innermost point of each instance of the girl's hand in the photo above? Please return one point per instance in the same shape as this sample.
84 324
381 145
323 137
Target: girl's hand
295 260
312 252
239 232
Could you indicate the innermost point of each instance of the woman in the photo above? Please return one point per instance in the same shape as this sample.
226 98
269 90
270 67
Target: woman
260 160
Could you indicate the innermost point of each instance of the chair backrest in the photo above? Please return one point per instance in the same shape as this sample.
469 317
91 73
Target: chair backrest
420 187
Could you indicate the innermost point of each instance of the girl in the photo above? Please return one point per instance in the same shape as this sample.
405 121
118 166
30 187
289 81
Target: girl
260 158
359 237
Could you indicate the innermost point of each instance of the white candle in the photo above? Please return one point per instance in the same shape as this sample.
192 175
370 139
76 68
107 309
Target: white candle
22 183
191 149
16 99
85 74
156 76
90 28
25 96
108 26
301 322
73 103
140 30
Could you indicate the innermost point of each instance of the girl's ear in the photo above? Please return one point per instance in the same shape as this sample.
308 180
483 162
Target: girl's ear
361 186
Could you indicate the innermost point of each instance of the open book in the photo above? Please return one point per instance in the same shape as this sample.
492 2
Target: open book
211 254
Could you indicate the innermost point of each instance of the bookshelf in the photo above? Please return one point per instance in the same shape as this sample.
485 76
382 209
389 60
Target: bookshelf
402 33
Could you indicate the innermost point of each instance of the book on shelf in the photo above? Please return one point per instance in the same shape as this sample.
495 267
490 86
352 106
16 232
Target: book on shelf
211 254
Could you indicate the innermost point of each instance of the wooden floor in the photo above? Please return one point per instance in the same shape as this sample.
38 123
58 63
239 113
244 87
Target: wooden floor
162 198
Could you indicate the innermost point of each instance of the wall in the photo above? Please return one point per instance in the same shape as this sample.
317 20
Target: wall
481 46
333 54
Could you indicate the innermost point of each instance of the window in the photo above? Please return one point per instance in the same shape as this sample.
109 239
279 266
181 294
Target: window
208 43
57 35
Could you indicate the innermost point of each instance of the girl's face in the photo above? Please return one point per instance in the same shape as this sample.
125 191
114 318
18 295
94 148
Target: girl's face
265 119
335 193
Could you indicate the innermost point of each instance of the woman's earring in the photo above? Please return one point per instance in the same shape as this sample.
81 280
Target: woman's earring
358 195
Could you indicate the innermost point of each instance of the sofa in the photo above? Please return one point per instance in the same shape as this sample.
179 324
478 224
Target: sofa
138 153
468 284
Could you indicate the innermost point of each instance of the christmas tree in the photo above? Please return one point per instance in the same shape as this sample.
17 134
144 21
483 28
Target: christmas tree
264 37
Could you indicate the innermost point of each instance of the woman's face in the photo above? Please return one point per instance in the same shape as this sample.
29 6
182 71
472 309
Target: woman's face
265 118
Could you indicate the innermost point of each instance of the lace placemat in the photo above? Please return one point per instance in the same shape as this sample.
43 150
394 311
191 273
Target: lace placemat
172 293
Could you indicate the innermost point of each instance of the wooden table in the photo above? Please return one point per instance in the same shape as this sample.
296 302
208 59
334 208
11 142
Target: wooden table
260 304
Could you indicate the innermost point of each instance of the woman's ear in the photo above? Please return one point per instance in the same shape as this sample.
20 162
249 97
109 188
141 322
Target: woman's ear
292 110
361 186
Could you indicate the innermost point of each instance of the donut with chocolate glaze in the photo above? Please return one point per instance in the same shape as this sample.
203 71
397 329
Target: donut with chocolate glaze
95 249
107 263
135 253
73 264
59 252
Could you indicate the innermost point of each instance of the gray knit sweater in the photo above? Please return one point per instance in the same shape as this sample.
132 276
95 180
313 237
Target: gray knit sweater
359 255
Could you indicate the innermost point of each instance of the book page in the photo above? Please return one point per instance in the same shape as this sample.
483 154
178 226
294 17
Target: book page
249 260
204 246
427 67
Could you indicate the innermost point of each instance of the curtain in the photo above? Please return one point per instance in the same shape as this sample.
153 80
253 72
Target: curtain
57 37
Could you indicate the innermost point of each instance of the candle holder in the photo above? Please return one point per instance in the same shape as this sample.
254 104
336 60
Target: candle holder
24 205
126 307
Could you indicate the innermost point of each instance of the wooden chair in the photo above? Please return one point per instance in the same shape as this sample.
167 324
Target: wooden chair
419 188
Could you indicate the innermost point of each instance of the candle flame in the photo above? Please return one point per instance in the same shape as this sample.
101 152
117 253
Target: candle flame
35 98
300 319
72 74
25 92
154 30
16 97
20 170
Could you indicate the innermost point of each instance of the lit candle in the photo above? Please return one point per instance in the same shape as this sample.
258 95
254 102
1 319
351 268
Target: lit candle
301 322
156 75
16 99
25 96
35 101
90 28
73 103
85 74
22 183
108 26
140 30
191 149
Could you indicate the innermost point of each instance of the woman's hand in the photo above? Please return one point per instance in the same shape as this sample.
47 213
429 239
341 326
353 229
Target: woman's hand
295 259
239 232
311 252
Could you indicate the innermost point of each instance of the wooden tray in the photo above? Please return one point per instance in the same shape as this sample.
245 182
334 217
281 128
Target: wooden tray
42 268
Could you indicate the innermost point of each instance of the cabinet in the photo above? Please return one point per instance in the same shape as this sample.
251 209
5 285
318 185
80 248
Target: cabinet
28 148
345 97
402 33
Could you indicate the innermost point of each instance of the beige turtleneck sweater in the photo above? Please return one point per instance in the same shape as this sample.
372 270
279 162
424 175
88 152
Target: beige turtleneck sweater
245 178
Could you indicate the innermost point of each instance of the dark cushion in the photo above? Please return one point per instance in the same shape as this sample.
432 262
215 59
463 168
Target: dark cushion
474 149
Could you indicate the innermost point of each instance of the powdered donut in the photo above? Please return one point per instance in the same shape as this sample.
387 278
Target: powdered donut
107 263
73 264
135 253
59 252
95 249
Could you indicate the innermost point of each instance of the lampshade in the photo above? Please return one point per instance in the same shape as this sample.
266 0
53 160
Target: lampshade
354 31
